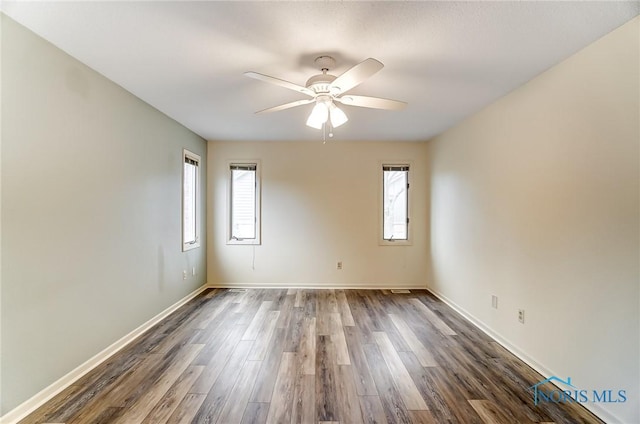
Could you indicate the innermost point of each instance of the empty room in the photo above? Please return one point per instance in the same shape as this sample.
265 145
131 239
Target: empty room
323 212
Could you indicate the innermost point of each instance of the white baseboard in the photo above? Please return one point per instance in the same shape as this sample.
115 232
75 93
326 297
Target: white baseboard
363 286
30 405
596 409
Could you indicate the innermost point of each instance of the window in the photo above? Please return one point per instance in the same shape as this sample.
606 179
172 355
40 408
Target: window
244 203
190 200
395 204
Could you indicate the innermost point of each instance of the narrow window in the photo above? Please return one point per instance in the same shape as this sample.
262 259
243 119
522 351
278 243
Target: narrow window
190 200
395 203
244 205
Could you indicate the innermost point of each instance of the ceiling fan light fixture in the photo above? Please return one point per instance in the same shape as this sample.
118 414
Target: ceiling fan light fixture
318 116
337 116
326 90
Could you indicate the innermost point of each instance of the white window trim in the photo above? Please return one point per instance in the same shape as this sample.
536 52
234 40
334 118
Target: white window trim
188 246
380 208
258 239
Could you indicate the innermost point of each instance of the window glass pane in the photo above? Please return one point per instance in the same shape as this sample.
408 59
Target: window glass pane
395 210
243 203
189 201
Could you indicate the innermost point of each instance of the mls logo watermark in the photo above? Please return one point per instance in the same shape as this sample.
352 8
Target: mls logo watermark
544 391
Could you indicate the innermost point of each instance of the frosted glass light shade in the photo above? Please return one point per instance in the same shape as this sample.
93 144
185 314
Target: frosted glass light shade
338 117
318 116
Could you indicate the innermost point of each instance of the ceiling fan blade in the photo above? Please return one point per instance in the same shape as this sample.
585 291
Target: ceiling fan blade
281 83
356 75
287 106
371 102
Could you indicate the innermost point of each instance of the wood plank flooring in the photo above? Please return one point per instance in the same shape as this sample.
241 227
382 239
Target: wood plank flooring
309 356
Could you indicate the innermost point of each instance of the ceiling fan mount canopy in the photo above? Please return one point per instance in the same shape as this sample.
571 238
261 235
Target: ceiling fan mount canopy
325 63
326 89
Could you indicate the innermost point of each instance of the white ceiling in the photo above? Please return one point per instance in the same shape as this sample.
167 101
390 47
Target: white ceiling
446 59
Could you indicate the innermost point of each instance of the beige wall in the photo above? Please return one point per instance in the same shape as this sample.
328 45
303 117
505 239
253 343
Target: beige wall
320 204
91 212
536 200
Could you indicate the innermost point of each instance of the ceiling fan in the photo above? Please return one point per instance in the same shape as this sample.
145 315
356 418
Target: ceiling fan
325 90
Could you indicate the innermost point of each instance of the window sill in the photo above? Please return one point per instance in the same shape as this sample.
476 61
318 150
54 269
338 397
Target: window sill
250 242
190 246
395 243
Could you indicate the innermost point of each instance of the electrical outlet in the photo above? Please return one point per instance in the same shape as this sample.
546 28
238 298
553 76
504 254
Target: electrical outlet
521 316
494 301
339 265
184 274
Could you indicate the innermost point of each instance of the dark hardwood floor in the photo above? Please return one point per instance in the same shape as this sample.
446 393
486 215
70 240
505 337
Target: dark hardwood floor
309 356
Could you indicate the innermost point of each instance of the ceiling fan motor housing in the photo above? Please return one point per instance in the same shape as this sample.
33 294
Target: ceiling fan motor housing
320 83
